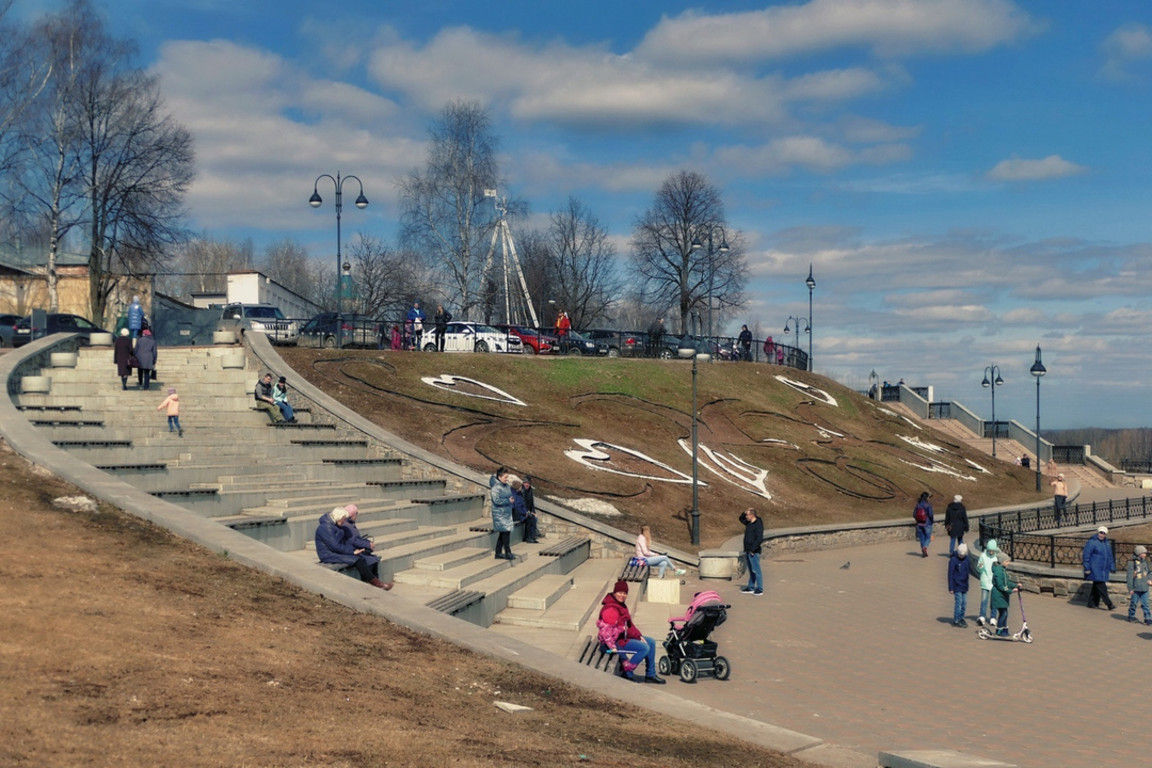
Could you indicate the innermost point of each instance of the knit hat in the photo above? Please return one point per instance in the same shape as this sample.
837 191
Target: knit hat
957 498
171 390
992 546
1141 550
1102 529
123 331
621 586
962 550
146 332
351 509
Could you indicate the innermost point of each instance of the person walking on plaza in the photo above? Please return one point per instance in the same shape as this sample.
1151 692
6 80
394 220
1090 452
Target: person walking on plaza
145 353
924 522
1139 580
656 337
122 356
1002 589
1099 563
769 350
956 522
135 317
172 404
1060 496
753 541
984 573
958 584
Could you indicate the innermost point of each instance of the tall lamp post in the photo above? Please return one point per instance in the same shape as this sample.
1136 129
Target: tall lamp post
992 379
1038 370
697 245
696 355
361 202
811 286
787 329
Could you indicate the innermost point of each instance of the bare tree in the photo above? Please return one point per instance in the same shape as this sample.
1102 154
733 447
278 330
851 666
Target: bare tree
583 265
202 265
288 263
445 217
672 272
387 280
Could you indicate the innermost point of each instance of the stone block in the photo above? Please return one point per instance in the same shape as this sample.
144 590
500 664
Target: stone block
720 564
63 359
100 340
664 590
35 384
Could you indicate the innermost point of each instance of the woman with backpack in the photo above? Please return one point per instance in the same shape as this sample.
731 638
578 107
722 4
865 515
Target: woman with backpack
924 520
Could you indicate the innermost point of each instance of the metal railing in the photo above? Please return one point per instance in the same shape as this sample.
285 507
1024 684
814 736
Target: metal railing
1014 530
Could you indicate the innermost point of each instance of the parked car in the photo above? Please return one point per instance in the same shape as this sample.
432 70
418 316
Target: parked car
620 343
241 318
57 323
572 343
463 336
8 329
531 341
355 331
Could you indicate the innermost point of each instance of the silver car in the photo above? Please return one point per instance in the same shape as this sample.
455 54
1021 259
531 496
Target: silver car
241 318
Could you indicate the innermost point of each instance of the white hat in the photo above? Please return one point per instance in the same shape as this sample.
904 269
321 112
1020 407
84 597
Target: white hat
962 549
338 514
1102 529
957 498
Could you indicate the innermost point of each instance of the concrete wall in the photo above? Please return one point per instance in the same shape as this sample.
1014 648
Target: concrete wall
257 288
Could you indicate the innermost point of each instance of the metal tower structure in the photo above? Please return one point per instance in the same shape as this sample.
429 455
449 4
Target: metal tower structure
518 307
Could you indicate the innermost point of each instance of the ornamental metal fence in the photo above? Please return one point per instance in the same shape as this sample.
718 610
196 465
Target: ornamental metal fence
1015 530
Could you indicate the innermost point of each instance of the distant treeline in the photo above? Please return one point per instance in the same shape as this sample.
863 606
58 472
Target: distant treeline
1112 445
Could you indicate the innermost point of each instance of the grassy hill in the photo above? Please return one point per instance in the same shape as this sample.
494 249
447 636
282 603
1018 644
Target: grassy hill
821 453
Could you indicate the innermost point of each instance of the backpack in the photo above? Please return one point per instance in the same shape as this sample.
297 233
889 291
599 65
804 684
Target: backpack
973 564
921 515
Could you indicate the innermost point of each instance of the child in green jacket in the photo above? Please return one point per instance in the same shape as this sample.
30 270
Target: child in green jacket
1002 589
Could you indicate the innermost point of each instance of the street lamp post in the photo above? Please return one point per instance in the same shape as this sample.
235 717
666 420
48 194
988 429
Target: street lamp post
1038 370
992 379
696 355
787 329
361 202
811 286
697 245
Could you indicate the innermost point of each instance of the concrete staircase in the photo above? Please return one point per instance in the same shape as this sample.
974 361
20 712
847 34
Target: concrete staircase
273 482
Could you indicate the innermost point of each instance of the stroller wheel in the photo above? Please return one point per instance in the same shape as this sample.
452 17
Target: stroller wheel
688 671
664 665
721 667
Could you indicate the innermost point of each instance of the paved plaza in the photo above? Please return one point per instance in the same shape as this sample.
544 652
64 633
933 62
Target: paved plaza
865 658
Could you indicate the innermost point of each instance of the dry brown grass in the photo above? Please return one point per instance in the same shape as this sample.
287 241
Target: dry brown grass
121 645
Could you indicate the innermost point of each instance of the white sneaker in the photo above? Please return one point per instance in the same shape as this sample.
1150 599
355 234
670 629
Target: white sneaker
979 621
680 571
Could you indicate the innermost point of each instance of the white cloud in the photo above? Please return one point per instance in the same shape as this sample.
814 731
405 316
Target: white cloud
886 27
810 152
1020 169
1129 43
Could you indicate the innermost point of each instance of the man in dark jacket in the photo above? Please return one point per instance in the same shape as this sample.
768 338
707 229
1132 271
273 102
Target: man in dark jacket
145 353
1098 566
334 545
753 538
264 400
440 327
956 522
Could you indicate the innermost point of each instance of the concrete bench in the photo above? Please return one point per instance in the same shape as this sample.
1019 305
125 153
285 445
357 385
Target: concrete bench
300 425
456 601
594 655
564 546
144 467
92 443
48 408
43 422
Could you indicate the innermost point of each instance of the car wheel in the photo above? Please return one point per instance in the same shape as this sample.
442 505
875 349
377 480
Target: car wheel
665 354
613 352
430 347
531 349
329 342
481 346
575 351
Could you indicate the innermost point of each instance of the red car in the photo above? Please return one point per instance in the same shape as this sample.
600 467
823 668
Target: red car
532 341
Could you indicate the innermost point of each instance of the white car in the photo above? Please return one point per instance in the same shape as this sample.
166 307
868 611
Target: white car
472 337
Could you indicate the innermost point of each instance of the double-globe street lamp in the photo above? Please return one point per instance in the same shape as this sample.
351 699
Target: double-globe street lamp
685 351
811 283
992 379
792 319
1038 370
697 245
341 268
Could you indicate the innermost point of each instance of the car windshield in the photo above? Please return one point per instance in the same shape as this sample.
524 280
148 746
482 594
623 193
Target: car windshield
264 313
576 335
486 329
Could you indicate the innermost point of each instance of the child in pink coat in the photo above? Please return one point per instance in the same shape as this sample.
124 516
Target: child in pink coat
172 403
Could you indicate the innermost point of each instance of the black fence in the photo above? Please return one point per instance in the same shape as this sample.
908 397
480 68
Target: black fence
1142 466
1015 531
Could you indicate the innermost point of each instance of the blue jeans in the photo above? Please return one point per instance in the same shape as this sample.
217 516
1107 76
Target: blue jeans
985 596
959 606
1002 621
173 423
285 410
1140 598
644 648
660 561
954 541
924 535
755 576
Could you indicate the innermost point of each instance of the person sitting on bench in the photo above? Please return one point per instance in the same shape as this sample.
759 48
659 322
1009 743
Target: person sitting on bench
335 545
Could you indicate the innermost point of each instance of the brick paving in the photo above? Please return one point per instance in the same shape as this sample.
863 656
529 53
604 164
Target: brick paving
866 658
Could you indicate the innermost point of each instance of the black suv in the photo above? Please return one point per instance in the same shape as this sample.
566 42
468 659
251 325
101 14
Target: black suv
356 331
57 323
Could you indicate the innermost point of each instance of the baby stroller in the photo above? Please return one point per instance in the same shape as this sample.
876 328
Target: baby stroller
690 652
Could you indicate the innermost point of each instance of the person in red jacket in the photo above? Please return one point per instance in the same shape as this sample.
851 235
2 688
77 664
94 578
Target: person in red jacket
563 325
618 634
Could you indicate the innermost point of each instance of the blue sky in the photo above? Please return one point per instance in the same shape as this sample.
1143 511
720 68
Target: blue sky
968 178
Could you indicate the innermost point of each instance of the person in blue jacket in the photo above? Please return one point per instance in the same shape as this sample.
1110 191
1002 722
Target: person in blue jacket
924 521
501 494
958 584
334 545
135 317
1099 563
